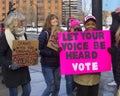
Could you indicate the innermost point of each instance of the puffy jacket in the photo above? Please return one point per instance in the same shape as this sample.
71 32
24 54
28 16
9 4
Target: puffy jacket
49 57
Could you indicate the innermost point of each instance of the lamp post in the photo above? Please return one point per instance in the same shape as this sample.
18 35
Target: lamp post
69 8
97 12
36 16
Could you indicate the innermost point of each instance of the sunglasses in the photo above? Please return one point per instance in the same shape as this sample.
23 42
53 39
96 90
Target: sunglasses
77 29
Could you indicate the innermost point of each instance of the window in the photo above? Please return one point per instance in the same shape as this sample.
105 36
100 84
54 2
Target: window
49 1
40 7
41 19
17 0
3 8
49 7
56 1
3 14
41 13
24 0
31 2
39 1
3 2
56 7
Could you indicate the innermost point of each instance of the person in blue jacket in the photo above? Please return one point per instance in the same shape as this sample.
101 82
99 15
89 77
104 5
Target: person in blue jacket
50 61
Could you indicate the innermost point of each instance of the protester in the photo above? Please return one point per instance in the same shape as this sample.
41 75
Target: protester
50 61
115 31
114 27
87 84
73 26
13 74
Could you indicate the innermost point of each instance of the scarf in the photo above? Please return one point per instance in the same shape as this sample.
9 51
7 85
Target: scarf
10 37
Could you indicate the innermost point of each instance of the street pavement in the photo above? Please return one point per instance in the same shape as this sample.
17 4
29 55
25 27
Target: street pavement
38 84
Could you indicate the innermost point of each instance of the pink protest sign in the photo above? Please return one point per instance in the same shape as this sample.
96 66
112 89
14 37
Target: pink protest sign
84 52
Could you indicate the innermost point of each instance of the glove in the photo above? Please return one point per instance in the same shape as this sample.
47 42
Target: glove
14 66
110 50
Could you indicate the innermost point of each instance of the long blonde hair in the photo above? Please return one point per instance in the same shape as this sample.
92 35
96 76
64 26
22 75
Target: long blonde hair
47 25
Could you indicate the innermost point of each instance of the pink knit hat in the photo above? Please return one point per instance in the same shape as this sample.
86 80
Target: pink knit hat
74 22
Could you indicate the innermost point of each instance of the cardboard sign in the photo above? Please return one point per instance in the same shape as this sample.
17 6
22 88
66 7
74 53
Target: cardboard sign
84 52
53 40
25 52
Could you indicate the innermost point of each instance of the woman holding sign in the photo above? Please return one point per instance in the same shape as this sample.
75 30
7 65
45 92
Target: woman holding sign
87 84
13 74
49 55
73 26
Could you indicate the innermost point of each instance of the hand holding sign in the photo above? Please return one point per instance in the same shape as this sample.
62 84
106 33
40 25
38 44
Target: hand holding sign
53 40
85 52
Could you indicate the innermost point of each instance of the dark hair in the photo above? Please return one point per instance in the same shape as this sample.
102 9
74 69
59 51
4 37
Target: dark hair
47 25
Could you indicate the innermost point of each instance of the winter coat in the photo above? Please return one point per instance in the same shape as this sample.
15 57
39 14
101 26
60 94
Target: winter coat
11 78
116 51
87 79
49 57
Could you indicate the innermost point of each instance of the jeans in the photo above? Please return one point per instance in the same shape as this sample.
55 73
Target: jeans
109 90
52 79
26 89
69 85
114 55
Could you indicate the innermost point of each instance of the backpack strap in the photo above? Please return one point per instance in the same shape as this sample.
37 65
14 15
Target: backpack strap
47 34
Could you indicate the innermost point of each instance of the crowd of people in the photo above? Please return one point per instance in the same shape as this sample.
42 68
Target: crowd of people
15 75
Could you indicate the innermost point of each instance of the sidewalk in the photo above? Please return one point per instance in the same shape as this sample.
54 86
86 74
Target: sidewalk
38 85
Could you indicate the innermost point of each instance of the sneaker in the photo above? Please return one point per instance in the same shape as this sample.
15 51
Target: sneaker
113 83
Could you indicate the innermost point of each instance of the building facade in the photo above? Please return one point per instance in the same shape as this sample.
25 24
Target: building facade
69 10
36 11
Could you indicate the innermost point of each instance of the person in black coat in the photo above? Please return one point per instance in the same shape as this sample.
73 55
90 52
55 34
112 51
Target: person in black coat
114 27
13 74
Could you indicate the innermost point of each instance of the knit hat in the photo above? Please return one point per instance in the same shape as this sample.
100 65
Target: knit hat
90 17
74 22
